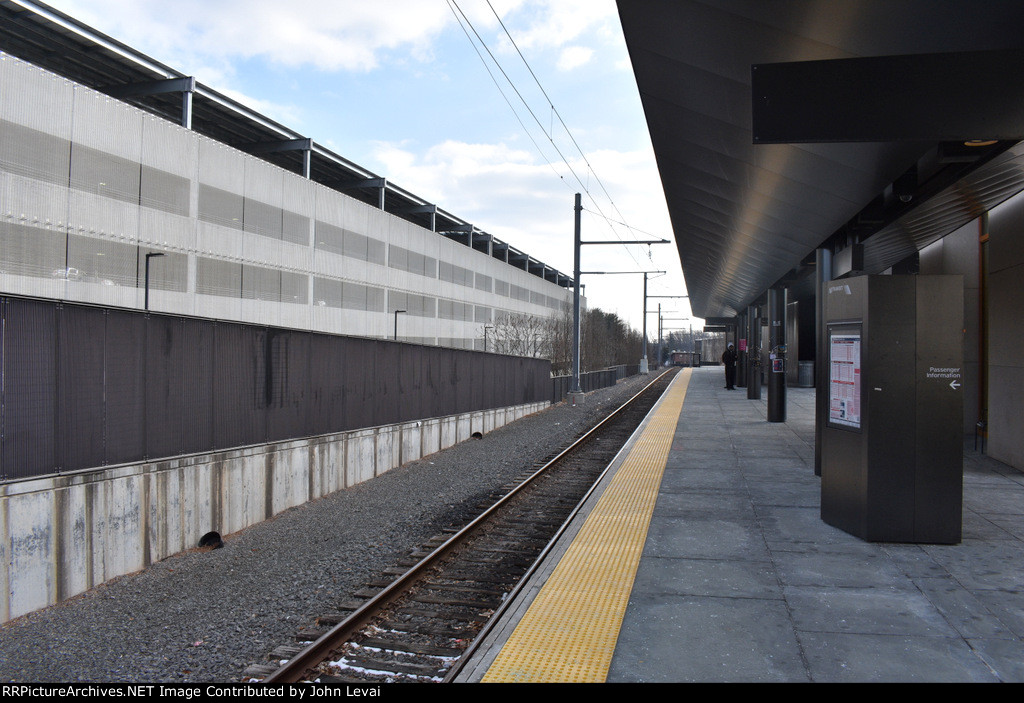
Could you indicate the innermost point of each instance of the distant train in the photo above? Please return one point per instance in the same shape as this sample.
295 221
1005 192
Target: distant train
685 358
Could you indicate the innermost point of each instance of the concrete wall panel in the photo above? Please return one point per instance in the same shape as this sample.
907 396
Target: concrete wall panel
72 540
5 561
64 534
361 456
247 471
464 428
126 522
32 576
449 432
411 442
291 475
431 436
388 449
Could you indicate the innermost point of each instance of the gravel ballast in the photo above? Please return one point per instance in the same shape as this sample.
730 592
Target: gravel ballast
206 615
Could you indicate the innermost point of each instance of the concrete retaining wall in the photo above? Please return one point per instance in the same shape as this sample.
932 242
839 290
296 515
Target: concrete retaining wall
61 535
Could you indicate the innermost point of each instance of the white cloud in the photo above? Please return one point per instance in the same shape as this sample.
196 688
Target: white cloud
325 34
512 194
574 57
469 180
555 23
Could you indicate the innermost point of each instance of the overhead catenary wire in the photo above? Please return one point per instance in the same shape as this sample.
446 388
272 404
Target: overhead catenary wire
464 21
624 224
502 92
555 112
590 168
455 5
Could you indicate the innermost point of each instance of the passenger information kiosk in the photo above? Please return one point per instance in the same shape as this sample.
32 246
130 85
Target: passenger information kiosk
892 435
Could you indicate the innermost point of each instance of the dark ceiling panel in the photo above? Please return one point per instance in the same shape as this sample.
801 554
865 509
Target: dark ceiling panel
890 98
745 215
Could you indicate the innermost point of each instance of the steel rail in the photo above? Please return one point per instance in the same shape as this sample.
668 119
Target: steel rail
459 665
294 670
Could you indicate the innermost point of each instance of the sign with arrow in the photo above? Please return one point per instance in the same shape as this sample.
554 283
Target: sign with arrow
953 373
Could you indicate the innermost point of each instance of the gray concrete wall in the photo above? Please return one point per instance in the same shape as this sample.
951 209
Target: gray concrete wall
62 535
1006 335
957 253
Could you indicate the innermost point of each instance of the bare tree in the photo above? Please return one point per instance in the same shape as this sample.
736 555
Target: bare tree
606 340
521 334
561 341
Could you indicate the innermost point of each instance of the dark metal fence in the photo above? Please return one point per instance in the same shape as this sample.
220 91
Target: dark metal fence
591 381
85 386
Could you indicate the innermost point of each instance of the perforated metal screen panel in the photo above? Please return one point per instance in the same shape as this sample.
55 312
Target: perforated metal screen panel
29 357
86 387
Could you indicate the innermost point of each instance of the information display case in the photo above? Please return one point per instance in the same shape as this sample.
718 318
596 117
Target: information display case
892 430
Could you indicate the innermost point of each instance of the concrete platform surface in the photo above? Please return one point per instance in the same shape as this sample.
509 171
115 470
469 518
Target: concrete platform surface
741 581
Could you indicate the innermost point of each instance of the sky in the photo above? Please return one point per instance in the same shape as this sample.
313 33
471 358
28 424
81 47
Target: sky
497 111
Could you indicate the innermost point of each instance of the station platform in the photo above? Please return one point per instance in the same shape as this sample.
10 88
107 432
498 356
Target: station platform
703 558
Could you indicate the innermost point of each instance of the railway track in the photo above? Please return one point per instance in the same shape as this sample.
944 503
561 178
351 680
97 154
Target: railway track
421 625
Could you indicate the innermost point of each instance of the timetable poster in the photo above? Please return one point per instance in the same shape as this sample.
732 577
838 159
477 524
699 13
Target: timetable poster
844 380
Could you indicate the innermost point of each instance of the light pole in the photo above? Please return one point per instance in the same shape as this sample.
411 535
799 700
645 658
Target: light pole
149 256
486 327
396 322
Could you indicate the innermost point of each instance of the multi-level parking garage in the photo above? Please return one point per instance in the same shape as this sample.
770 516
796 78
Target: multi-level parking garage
110 158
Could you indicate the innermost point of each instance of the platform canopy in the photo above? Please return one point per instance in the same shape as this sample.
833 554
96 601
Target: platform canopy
871 127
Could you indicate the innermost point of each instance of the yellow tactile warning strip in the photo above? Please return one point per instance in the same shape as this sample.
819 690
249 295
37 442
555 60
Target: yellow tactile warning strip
569 632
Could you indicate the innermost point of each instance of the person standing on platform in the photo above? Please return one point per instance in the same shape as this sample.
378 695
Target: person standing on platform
729 360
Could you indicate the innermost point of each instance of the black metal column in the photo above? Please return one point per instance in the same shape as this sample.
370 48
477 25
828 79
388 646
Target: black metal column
742 330
753 353
822 275
574 386
777 355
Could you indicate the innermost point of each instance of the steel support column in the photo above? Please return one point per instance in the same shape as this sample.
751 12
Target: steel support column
643 359
753 353
574 386
186 107
822 275
742 328
777 355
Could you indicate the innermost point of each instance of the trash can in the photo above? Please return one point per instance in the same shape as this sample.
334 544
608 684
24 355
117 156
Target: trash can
805 377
